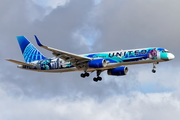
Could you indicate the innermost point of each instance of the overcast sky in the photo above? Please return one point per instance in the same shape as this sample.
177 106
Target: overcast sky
82 26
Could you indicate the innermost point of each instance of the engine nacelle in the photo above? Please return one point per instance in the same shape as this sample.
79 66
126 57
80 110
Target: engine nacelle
97 63
118 71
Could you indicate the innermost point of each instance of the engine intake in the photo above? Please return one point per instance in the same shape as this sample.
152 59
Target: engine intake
118 71
97 63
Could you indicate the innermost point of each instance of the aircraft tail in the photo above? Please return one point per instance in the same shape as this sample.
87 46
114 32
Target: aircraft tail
29 51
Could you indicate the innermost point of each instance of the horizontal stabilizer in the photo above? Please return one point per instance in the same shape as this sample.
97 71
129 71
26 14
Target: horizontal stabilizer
19 63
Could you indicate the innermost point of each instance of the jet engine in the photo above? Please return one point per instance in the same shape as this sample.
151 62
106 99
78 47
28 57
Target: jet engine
118 71
97 63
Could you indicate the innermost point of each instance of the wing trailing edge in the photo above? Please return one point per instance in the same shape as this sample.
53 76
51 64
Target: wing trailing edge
62 54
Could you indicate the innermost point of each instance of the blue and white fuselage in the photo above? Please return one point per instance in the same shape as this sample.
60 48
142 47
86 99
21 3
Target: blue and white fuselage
114 62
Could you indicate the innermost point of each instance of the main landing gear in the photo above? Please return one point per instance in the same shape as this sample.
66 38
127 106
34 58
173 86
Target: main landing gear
154 66
96 79
83 75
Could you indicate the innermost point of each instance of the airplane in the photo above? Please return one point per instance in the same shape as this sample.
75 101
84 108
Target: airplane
114 62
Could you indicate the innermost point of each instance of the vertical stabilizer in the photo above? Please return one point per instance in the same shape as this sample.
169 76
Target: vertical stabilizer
29 51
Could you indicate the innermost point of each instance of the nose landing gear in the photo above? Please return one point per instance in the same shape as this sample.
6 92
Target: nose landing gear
154 66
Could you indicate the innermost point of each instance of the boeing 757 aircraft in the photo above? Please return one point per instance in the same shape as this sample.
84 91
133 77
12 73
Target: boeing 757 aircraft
114 62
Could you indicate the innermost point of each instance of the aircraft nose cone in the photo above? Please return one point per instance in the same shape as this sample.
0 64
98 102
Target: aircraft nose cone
171 56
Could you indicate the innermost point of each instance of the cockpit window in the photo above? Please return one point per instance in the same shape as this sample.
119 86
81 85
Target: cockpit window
165 51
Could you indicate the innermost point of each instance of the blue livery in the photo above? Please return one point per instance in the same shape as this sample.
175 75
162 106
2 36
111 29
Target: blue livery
30 53
113 62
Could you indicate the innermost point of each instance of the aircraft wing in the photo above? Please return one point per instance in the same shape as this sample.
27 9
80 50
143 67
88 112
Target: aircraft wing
19 63
63 54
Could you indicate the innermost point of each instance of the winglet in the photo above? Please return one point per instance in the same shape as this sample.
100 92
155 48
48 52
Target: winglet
37 40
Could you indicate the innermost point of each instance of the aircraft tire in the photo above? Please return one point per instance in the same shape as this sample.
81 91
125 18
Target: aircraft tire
99 78
83 75
95 79
87 74
153 71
